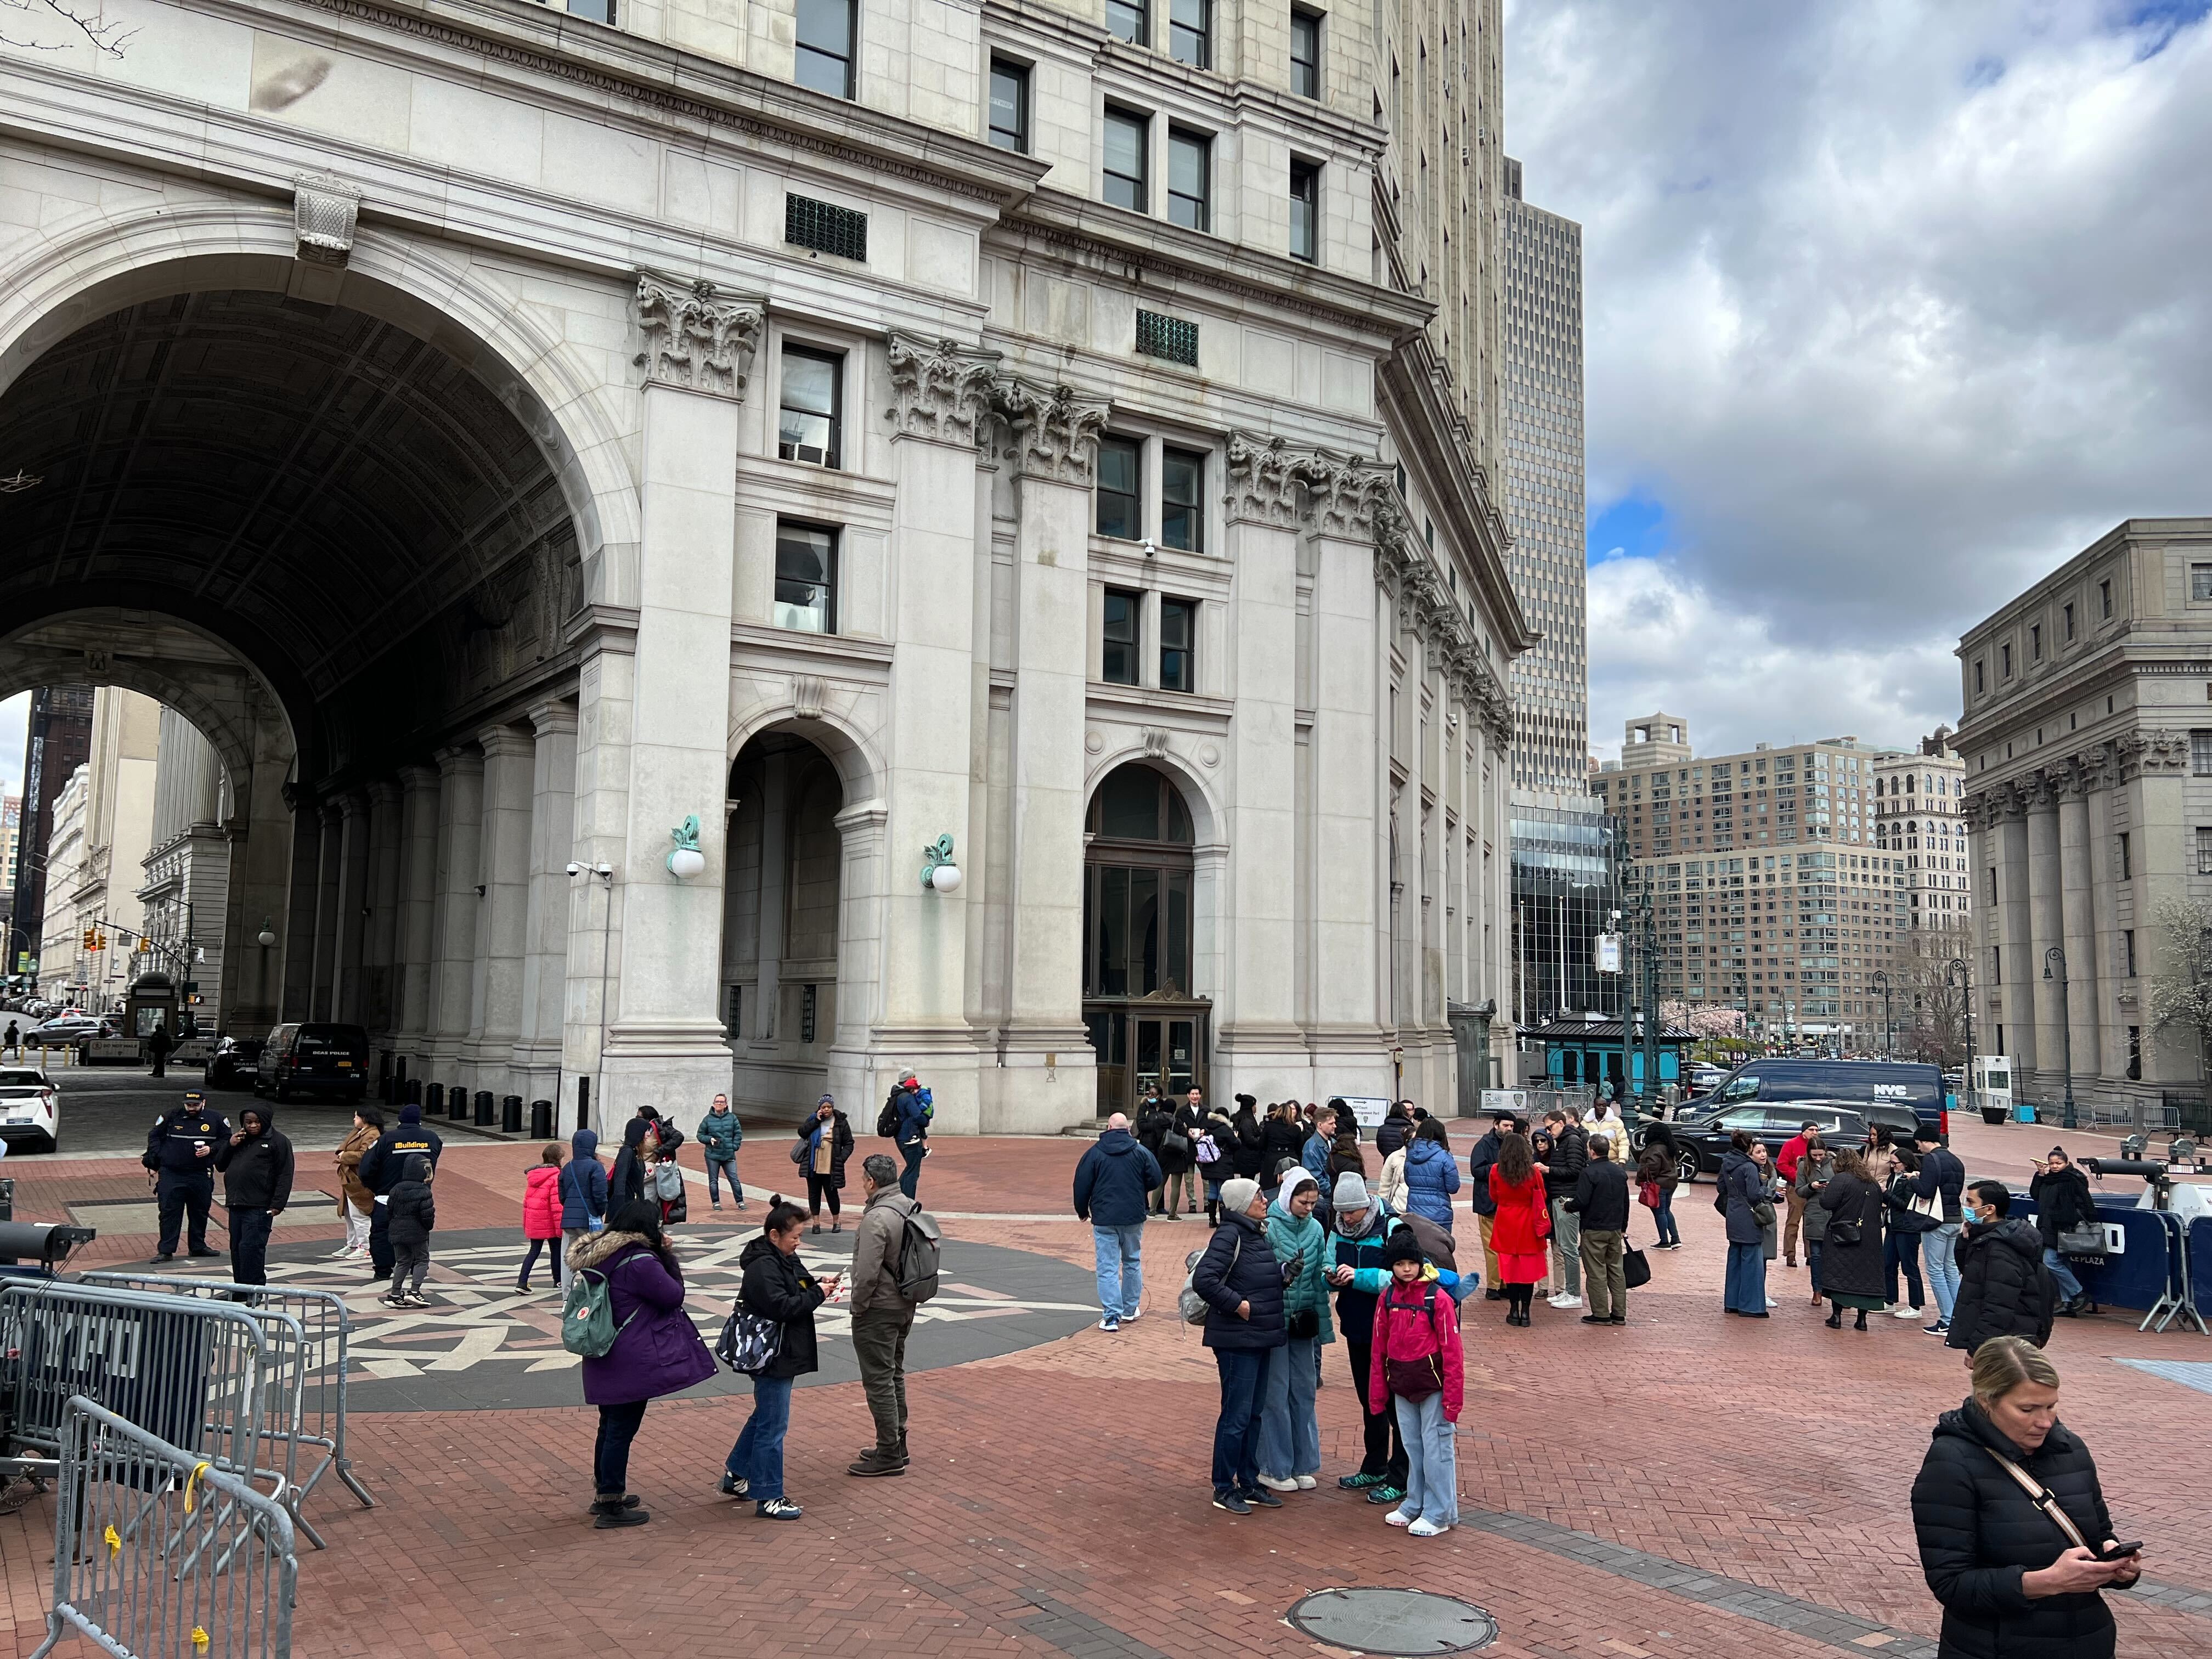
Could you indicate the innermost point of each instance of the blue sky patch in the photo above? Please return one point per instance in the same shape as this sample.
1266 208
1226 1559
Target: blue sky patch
1634 526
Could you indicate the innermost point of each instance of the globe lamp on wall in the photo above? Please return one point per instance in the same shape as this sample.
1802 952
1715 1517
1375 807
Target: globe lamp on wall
939 874
685 860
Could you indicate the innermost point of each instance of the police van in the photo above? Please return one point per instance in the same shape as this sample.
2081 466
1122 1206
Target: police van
1848 1081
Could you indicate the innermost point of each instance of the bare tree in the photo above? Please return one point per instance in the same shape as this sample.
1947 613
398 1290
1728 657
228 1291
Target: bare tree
1931 1021
2181 994
82 25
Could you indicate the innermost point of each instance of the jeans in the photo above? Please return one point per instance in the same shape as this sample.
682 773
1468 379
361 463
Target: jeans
1237 1431
910 1177
1120 1257
1566 1248
1605 1268
249 1246
880 1344
1386 1450
1290 1434
178 1196
1902 1251
1942 1248
1813 1263
719 1169
1746 1291
552 1249
2069 1287
619 1426
1663 1218
1431 1467
757 1458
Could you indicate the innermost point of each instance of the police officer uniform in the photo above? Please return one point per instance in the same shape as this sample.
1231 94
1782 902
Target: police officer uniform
181 1154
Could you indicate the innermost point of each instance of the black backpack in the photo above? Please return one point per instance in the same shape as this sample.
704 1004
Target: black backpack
887 1120
920 1256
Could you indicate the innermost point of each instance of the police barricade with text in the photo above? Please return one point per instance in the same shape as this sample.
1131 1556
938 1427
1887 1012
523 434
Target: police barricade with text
159 1553
309 1345
2148 1270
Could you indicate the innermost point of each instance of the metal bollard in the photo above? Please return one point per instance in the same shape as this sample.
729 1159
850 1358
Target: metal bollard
541 1120
457 1102
414 1091
434 1100
484 1114
510 1115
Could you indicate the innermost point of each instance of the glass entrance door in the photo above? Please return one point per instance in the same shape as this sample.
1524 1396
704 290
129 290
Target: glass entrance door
1142 1047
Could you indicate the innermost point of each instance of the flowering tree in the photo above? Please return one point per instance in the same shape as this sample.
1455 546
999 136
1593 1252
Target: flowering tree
2181 996
1703 1020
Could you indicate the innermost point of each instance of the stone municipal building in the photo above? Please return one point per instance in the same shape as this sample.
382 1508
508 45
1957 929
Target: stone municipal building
729 544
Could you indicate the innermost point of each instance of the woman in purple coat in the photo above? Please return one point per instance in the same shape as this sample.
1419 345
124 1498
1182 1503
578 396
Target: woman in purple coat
657 1349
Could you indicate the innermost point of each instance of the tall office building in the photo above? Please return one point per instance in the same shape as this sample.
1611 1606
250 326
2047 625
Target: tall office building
59 741
1542 401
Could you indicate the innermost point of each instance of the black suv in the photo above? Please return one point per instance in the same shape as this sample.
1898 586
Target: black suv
233 1064
321 1059
1704 1139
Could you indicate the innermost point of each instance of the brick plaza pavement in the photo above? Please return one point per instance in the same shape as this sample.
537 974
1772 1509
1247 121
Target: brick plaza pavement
1691 1485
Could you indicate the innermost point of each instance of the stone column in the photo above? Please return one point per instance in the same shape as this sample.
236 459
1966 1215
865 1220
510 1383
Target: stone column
771 897
415 947
265 887
322 992
860 951
454 923
2011 989
503 918
601 825
2078 925
380 934
552 839
1258 1047
2046 925
2156 764
1048 1077
297 934
348 948
666 1046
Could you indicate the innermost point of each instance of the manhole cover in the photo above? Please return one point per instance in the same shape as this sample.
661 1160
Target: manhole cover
1394 1622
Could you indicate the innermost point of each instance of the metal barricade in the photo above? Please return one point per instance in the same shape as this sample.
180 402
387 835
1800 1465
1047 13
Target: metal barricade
159 1555
308 1343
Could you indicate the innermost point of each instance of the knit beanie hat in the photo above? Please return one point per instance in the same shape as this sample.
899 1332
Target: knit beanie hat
1402 1247
1237 1196
410 1113
1351 1192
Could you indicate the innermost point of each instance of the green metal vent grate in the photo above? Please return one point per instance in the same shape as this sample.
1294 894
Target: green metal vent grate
825 228
1171 338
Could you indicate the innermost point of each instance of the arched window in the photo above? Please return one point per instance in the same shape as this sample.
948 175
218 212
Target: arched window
1137 886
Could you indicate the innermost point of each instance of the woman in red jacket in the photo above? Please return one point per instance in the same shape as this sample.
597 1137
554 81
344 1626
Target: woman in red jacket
1523 1223
541 1216
1418 1374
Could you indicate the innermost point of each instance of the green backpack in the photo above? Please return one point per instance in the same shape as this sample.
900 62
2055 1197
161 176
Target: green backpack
587 1315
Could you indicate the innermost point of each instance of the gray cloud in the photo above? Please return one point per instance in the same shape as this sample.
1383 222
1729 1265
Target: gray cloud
1893 307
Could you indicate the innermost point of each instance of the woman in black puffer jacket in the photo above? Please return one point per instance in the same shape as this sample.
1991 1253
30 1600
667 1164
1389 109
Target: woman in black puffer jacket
1286 1139
2014 1585
1248 1152
2062 1198
1241 1283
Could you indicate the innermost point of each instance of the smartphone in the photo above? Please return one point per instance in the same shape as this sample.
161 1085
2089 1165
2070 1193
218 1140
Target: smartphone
2121 1551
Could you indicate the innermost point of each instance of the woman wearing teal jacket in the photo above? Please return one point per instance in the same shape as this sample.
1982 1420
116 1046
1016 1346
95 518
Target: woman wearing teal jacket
1289 1433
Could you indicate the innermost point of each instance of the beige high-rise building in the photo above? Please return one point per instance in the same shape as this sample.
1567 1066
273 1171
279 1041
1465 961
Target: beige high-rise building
1920 812
1770 890
97 850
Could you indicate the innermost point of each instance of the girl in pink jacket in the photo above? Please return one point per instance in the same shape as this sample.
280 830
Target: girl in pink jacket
541 1216
1419 1373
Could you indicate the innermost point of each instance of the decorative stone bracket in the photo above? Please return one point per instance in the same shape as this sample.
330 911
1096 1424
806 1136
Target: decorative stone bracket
696 337
941 389
324 209
1058 431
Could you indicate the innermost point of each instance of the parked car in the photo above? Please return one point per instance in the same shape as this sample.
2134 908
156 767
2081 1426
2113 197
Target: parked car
63 1031
1704 1140
1856 1082
323 1060
30 1109
233 1064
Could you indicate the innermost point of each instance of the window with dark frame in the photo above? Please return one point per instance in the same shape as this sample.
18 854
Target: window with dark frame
1124 185
823 45
1137 886
2204 849
1131 20
1305 211
2200 582
806 578
1178 645
808 423
1189 161
807 996
2128 950
2127 860
2104 599
1190 32
1182 499
1118 662
1120 492
2070 622
1305 53
735 1025
1010 106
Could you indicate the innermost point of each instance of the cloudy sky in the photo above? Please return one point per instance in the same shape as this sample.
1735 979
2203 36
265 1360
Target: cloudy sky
1891 309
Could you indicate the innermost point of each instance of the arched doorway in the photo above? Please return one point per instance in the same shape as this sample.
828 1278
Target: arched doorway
1146 1024
780 921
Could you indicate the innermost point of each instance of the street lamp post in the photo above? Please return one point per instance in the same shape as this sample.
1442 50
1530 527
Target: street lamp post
605 875
1958 973
1889 1032
2056 956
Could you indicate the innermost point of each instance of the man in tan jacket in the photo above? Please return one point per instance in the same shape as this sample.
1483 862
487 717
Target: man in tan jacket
882 1316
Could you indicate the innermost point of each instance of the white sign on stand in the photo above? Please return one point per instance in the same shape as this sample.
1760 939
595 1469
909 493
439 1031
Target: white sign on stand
1609 953
1368 1111
1515 1100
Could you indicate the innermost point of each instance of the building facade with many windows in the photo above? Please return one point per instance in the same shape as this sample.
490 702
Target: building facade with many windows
2088 745
956 537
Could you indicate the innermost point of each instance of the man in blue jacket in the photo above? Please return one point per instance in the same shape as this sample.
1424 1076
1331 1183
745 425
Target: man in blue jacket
380 1166
909 1109
1114 1183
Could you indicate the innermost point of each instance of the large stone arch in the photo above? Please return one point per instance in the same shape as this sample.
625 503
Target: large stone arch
91 265
1208 811
860 768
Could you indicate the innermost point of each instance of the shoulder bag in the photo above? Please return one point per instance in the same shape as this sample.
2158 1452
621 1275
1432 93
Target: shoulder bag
2082 1240
2042 1497
1847 1230
1635 1270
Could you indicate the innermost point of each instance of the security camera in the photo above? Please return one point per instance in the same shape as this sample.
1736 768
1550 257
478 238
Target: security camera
575 869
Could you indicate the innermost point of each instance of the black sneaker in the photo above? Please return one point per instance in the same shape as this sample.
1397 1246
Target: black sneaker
777 1509
1260 1497
1386 1493
733 1486
1360 1482
1232 1503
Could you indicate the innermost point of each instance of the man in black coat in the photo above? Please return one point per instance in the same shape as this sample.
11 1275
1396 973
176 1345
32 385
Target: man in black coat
1564 1148
380 1170
257 1184
1241 1283
179 1160
2004 1289
1479 1159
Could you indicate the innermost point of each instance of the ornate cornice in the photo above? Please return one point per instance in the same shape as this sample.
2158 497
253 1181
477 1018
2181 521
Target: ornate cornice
940 389
696 337
2151 754
1345 494
1057 431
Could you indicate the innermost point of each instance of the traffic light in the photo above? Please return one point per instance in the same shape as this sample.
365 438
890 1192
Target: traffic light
91 938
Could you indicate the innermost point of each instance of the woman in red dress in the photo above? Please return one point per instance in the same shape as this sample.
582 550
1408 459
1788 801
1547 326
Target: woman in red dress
1523 1223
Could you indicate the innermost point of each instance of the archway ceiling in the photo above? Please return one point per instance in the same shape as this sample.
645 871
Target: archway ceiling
320 482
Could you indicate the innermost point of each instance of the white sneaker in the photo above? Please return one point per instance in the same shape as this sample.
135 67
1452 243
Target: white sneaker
342 1250
1306 1483
1771 1303
1564 1301
1132 1316
1398 1518
1424 1529
1275 1484
1905 1313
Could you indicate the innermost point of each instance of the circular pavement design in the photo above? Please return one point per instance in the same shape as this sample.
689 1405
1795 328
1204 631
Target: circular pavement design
1398 1622
481 1347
